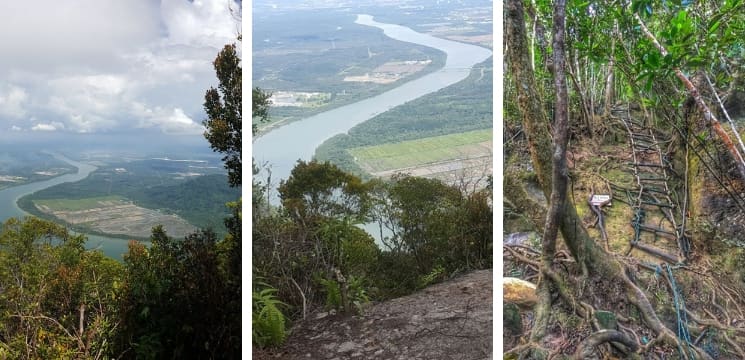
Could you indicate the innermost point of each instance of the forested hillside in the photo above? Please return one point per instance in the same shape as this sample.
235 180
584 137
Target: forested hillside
20 166
201 200
623 180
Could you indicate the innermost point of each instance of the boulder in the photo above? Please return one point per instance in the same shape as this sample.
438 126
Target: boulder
519 292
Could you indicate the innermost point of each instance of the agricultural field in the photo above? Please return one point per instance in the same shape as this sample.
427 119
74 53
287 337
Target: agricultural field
439 156
49 205
389 140
114 215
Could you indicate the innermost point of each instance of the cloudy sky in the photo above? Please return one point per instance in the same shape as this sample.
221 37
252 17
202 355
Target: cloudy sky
110 66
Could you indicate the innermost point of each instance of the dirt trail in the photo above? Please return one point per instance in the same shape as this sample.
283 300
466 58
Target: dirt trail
451 320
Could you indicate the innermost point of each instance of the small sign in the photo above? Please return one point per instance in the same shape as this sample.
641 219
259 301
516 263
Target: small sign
600 200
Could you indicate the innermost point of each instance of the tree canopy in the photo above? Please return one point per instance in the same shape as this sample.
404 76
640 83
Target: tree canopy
223 108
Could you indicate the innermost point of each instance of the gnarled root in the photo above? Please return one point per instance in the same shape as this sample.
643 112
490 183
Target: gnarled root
585 348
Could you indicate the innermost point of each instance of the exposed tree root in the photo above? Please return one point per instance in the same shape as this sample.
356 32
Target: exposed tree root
634 294
585 349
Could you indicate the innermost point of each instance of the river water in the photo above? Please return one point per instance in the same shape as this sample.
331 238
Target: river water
112 247
282 147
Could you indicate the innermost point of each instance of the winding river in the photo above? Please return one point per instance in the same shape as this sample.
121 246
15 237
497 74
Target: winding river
112 247
282 147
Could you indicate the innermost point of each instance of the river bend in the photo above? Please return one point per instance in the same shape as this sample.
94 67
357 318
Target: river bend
282 147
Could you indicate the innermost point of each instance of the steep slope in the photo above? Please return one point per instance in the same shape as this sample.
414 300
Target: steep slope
450 320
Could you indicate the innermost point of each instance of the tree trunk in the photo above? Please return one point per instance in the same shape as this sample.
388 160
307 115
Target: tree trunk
559 174
536 126
609 80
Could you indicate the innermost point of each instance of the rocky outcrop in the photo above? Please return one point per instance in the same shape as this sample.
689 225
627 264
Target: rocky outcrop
451 320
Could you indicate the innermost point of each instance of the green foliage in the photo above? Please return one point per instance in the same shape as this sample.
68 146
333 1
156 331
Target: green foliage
357 295
180 298
436 275
260 105
333 293
432 225
268 322
224 115
49 285
321 190
437 230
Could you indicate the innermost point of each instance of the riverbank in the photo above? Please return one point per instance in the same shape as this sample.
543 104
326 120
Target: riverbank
306 135
265 128
112 247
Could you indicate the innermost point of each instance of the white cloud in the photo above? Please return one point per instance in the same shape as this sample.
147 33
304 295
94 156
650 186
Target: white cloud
51 33
169 121
12 101
92 66
200 23
180 123
47 127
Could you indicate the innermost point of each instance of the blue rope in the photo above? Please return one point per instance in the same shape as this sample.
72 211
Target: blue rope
709 345
636 223
657 271
680 311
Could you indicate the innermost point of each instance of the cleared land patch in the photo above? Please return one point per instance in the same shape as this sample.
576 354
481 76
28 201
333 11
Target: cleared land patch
113 215
298 98
431 150
79 204
391 71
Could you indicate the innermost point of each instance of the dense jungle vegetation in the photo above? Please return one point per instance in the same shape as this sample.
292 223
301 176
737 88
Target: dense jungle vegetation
639 101
309 253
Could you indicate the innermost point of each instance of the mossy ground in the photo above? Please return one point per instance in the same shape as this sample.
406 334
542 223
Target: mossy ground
708 283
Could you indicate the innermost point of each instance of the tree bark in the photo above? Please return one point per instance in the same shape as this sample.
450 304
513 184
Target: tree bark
559 173
585 348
